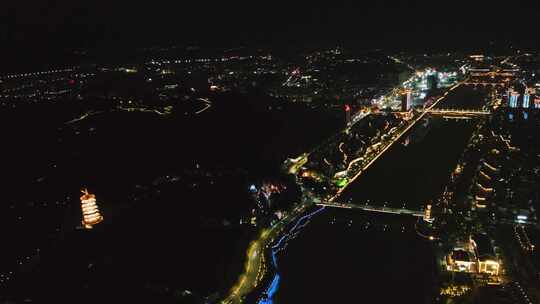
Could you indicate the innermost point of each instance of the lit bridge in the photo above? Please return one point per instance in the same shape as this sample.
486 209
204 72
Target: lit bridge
493 84
459 112
371 208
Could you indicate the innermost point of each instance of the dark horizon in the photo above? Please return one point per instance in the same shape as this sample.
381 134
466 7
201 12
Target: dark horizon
382 24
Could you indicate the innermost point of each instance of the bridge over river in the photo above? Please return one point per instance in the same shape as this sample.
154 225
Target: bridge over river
459 112
371 208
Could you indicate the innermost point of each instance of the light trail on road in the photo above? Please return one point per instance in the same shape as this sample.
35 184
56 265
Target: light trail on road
208 105
83 117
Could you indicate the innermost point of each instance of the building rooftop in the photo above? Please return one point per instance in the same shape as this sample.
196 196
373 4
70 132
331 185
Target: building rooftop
484 248
460 255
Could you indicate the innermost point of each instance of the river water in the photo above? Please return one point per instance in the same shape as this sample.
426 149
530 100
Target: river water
343 256
350 256
410 175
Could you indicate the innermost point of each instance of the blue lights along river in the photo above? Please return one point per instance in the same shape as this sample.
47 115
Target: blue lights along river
281 245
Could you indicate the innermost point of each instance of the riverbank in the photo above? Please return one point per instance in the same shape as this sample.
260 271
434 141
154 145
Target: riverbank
256 270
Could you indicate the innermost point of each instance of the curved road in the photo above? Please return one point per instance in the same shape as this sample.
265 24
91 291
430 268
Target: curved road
255 266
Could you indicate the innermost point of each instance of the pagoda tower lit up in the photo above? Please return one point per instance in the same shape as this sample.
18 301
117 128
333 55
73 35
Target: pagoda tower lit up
90 211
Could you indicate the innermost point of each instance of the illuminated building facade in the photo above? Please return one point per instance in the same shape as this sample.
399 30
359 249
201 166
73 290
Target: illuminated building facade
488 266
512 98
480 202
90 211
527 97
406 101
460 260
485 254
477 57
476 255
427 214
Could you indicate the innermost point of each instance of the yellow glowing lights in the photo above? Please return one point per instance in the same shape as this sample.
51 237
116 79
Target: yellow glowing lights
455 291
427 213
90 211
489 266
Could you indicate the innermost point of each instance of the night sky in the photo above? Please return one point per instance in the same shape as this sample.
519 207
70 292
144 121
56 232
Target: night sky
59 24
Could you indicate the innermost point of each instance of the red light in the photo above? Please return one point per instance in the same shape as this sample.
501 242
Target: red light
347 108
71 81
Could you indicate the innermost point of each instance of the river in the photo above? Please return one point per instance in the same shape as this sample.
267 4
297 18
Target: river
410 175
344 254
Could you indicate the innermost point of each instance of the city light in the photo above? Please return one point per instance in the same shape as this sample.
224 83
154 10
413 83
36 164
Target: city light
266 144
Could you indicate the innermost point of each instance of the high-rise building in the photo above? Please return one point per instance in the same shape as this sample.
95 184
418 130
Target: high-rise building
406 101
537 102
90 211
527 96
432 81
512 98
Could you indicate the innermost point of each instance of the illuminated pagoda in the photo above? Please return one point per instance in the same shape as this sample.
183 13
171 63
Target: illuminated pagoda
427 214
90 211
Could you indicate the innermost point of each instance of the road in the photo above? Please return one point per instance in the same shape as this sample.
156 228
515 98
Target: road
207 105
255 266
